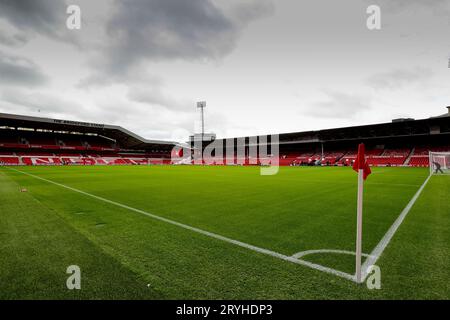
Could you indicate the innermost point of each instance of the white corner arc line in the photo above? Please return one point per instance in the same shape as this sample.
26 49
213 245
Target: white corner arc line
378 250
301 254
206 233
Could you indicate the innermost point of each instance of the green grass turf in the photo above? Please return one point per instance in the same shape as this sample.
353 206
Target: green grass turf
120 251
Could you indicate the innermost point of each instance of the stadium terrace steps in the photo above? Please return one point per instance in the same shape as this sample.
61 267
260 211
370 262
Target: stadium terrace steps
408 159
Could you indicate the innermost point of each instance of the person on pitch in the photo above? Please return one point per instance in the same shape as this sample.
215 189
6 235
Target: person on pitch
437 167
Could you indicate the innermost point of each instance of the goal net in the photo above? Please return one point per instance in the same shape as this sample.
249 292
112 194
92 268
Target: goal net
439 162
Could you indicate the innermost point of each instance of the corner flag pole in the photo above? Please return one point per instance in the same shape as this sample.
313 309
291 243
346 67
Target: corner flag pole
359 224
362 167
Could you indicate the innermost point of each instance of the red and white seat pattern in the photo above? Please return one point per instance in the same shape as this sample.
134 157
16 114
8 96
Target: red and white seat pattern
66 156
9 161
53 160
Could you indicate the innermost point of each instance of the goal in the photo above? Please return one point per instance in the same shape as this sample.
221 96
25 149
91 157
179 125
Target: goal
439 162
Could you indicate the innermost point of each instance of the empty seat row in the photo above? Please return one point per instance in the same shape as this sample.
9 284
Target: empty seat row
419 161
9 160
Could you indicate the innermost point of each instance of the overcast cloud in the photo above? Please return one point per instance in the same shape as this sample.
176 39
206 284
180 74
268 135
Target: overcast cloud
340 105
399 78
263 66
20 71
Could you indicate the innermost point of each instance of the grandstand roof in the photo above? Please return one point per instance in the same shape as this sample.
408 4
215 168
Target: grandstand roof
445 114
123 136
434 126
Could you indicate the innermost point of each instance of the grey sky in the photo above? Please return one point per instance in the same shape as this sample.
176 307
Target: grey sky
16 70
262 66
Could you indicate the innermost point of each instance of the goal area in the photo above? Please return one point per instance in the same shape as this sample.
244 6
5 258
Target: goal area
439 162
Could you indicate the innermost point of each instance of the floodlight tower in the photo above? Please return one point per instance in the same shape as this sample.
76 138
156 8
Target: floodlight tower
202 105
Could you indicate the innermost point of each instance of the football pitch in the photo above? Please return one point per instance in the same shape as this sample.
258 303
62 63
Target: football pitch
214 232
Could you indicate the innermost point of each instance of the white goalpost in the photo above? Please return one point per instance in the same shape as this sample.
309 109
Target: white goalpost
439 163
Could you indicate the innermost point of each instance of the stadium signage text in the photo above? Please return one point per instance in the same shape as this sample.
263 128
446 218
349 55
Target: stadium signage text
77 123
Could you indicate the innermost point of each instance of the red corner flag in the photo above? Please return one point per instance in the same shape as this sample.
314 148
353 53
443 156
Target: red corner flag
361 163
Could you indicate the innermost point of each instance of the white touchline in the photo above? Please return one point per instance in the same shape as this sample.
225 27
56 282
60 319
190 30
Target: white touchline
376 253
207 233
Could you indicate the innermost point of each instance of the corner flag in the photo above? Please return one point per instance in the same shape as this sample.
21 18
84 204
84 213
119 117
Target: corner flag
362 167
361 163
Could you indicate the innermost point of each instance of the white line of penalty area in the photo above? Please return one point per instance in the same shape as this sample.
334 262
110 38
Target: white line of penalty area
371 258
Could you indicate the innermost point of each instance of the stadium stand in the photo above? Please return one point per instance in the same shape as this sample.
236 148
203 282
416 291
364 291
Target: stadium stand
42 141
389 157
331 158
394 143
419 161
420 156
9 160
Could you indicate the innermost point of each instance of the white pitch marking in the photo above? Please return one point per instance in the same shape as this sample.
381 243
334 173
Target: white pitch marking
376 253
301 254
371 260
207 233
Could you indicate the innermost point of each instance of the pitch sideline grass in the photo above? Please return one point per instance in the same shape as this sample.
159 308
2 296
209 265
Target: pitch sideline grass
37 246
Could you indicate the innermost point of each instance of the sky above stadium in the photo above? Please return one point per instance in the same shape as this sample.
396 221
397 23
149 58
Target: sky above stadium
263 66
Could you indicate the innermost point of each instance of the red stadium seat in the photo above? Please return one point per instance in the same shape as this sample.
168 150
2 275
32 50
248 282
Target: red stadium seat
9 160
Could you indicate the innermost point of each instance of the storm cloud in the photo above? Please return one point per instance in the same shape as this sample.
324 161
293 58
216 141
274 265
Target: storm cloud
161 30
401 5
45 17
